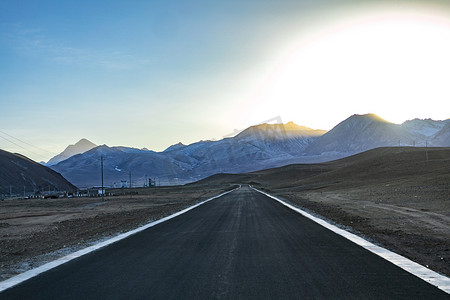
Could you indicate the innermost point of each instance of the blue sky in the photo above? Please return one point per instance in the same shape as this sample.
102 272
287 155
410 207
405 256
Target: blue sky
153 73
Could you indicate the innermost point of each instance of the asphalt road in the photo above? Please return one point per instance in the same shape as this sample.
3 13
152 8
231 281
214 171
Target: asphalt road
243 245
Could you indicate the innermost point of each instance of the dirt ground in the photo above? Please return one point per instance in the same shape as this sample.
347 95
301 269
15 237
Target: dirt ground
36 231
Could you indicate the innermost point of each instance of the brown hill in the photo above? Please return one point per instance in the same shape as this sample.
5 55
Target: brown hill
389 165
18 172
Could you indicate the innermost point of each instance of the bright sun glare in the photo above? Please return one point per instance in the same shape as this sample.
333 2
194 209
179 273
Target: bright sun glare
395 64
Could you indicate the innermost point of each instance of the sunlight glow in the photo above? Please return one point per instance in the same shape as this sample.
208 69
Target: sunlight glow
395 64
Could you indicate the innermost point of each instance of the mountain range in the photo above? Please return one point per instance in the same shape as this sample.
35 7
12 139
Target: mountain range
258 147
359 133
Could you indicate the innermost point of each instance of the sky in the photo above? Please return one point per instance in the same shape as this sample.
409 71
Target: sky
155 73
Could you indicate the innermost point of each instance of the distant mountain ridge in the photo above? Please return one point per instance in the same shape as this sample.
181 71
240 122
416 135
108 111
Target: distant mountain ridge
258 147
255 148
81 146
175 147
359 133
279 131
426 127
19 174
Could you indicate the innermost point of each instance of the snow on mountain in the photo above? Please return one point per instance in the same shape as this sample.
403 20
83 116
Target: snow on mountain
254 148
132 150
279 131
279 140
84 169
81 146
442 137
175 147
258 147
426 127
360 133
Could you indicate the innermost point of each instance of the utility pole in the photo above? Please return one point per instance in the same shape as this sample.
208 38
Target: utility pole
130 186
103 191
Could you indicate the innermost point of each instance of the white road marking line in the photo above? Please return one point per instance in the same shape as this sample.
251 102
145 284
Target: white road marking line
436 279
34 272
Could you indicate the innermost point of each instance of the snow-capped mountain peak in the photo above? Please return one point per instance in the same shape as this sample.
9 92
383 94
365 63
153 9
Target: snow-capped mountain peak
81 146
175 147
426 127
279 131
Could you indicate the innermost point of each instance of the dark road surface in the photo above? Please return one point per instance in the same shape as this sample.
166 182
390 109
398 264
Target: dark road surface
243 245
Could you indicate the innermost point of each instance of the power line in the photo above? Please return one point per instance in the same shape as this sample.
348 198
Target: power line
20 146
130 187
27 143
28 150
22 141
103 189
